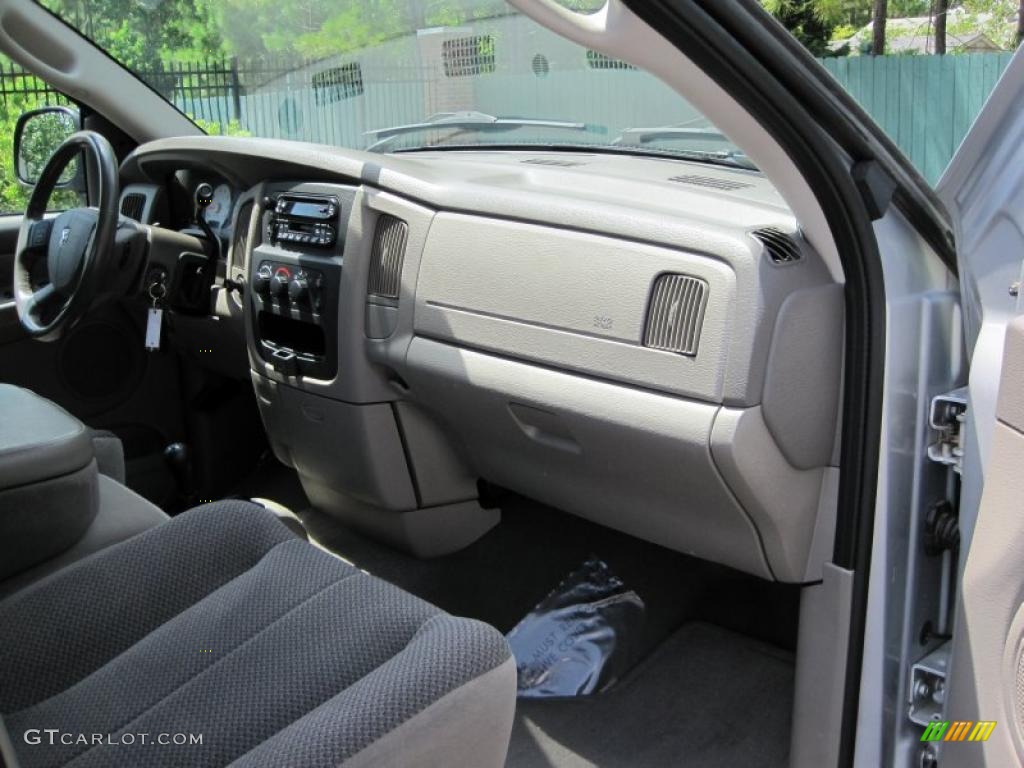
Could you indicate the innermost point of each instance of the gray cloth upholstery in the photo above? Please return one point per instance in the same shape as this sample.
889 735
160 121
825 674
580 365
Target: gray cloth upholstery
109 453
121 514
221 623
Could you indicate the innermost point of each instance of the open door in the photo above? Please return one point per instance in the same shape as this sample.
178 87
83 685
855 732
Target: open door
984 191
987 666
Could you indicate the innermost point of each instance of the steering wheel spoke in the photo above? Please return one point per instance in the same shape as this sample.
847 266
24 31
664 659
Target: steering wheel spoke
38 300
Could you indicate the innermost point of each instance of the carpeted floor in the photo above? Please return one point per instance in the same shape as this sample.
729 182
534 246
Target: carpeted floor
713 675
707 698
501 577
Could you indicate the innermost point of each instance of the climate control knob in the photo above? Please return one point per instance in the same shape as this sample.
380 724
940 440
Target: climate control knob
298 289
261 282
279 285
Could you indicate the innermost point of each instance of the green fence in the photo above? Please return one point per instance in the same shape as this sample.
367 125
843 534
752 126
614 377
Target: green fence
925 103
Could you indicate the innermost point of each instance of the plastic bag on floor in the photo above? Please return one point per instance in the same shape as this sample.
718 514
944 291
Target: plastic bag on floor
575 642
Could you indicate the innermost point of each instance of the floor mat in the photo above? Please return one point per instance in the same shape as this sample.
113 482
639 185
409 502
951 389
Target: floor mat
707 698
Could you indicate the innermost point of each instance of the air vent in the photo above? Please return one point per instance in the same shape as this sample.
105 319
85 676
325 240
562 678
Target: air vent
781 247
552 161
710 182
676 314
387 256
240 238
132 205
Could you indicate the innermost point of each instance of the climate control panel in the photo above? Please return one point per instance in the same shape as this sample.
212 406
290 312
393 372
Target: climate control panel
295 313
291 289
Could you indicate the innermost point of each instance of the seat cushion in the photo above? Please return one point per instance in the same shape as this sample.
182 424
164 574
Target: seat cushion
222 624
121 514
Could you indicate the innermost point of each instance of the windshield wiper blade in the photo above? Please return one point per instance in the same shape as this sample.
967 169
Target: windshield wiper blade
638 137
733 159
477 121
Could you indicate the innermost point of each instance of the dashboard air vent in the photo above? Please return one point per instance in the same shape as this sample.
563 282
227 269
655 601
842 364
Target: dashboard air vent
780 246
676 314
132 205
711 182
240 237
552 161
387 256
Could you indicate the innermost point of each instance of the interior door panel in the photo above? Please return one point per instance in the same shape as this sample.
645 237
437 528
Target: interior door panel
10 329
987 681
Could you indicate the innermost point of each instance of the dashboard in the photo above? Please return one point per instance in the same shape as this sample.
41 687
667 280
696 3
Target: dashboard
648 343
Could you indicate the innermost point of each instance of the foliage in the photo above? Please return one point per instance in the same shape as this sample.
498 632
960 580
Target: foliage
141 34
843 32
13 194
43 133
996 19
214 128
809 21
817 22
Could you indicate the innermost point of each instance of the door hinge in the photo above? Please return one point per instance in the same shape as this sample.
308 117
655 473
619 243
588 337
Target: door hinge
947 416
928 686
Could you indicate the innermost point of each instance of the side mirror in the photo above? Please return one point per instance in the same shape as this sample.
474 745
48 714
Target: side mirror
37 134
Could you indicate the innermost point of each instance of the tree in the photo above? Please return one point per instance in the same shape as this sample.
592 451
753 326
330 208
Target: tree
141 34
941 11
809 21
1020 23
878 19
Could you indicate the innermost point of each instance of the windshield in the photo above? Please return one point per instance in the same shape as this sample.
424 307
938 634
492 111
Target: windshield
393 75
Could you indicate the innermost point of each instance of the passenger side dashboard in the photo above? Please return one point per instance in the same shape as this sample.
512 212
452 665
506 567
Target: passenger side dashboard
681 386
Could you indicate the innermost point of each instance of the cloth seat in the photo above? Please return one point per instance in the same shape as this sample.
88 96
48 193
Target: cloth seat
222 624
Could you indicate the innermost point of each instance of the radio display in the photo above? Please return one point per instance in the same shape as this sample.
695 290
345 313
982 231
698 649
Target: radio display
307 210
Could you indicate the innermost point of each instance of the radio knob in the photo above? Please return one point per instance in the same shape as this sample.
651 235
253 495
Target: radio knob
298 289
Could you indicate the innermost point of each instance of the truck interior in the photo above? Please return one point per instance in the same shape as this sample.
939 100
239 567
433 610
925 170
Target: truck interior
293 437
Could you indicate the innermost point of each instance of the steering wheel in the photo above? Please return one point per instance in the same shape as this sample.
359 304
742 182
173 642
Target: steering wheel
76 245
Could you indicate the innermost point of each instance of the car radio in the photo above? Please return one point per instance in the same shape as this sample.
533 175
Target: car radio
306 219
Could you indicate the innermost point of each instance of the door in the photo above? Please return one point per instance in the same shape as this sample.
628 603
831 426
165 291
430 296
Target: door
987 665
984 191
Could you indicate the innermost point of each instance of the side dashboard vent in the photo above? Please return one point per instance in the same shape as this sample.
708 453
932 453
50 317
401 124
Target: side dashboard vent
387 256
711 182
676 314
781 247
132 205
240 237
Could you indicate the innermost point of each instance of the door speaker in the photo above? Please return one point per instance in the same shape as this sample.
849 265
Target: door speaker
1013 680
